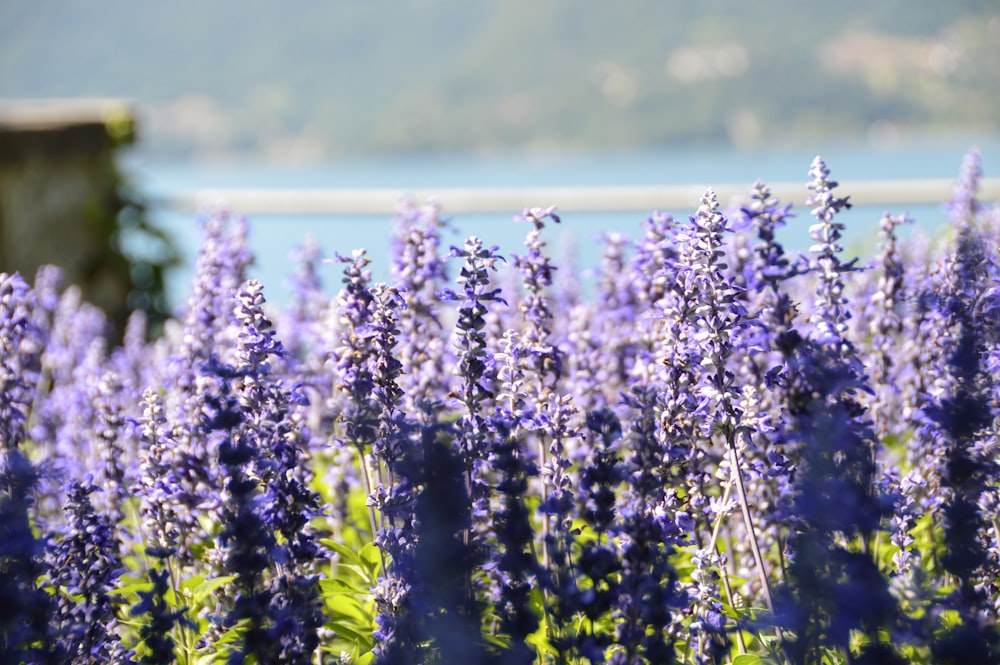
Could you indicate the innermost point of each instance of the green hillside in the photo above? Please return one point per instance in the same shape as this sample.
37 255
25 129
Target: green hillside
309 79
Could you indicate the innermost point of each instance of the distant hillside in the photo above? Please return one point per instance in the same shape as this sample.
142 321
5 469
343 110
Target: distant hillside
309 79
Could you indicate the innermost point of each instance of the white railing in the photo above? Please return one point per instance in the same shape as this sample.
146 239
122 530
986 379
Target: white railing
264 201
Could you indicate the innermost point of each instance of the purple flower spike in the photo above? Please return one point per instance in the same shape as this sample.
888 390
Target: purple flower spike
24 624
831 313
964 206
85 564
475 363
536 274
419 272
20 346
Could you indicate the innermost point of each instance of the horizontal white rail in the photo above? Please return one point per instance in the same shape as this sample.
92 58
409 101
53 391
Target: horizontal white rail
264 201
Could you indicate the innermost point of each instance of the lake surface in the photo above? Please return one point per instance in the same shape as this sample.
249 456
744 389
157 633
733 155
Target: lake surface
274 237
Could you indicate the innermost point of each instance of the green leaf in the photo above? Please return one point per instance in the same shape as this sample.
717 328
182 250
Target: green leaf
346 553
359 570
132 589
349 607
192 581
230 635
207 587
748 659
539 639
358 638
371 558
337 585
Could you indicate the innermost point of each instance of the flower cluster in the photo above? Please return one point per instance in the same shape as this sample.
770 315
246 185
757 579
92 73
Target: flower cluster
713 452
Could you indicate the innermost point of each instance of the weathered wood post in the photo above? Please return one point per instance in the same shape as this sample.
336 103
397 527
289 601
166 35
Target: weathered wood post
60 195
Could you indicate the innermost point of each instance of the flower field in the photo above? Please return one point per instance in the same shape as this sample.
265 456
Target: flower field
708 451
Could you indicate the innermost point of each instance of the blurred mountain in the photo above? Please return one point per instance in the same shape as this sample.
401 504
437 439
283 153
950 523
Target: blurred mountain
300 80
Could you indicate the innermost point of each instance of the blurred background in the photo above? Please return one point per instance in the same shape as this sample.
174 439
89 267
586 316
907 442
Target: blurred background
203 102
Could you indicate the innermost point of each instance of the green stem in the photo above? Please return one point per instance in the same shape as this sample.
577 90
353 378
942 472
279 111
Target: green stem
748 521
366 479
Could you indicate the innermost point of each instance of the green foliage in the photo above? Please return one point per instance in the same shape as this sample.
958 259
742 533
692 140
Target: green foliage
346 592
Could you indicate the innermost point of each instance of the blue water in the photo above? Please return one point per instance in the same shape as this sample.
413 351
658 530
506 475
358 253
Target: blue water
273 237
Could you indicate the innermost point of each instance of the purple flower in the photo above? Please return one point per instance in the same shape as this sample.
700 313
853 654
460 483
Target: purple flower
219 271
19 363
247 544
109 423
475 364
964 206
515 562
652 252
288 504
831 590
831 314
647 591
557 573
395 495
24 622
156 485
304 314
83 568
613 328
419 271
352 359
884 314
536 274
444 562
382 334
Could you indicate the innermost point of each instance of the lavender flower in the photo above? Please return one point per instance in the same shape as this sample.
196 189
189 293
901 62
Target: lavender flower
83 566
826 232
596 561
157 485
387 370
352 364
904 519
558 575
288 504
832 588
444 562
634 424
964 207
474 362
24 627
962 417
304 313
419 270
516 562
719 324
536 271
19 369
652 252
650 528
834 500
24 623
708 629
886 321
110 426
246 542
770 267
617 303
394 497
220 269
533 391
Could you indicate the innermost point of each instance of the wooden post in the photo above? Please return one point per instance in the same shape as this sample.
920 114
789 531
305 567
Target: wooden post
60 194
